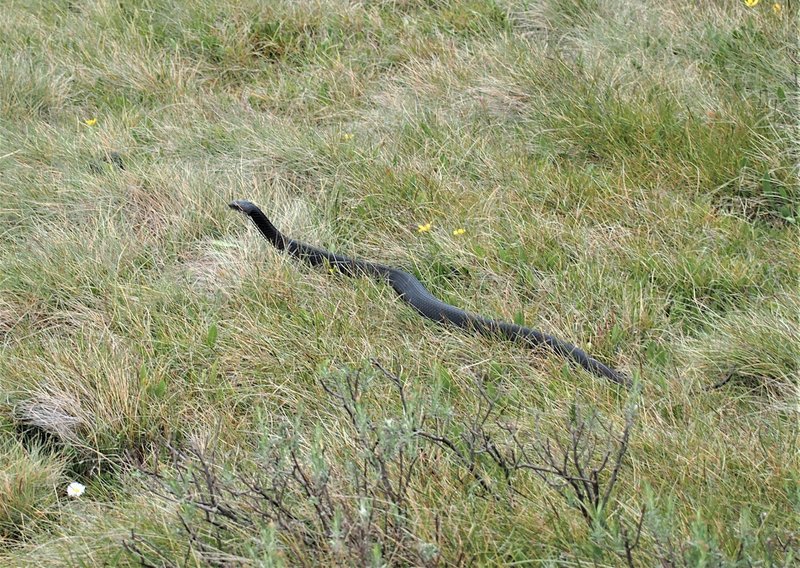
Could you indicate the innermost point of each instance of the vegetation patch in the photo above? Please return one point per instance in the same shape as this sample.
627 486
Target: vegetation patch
622 175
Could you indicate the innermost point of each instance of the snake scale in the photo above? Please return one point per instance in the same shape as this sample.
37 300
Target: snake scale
414 293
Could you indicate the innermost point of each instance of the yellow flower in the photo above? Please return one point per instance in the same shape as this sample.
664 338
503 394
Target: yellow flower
777 8
424 228
458 232
347 136
90 121
75 489
751 3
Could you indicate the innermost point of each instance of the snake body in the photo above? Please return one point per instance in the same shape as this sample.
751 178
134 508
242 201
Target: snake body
414 293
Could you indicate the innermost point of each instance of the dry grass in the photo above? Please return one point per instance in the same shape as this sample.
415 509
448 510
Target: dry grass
626 175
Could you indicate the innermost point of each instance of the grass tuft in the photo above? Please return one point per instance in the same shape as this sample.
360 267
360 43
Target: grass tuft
757 350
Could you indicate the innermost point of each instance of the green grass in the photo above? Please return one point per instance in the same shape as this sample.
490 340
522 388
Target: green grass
626 175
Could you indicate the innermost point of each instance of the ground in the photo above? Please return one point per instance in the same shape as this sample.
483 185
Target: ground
620 174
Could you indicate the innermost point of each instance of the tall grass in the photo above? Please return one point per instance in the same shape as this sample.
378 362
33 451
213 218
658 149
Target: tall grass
625 175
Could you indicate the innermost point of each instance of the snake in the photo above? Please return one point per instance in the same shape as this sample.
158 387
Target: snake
414 293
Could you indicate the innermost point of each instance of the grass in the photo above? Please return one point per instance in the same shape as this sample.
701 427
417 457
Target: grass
626 176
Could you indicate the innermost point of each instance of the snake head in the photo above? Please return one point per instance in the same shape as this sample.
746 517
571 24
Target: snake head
261 221
243 206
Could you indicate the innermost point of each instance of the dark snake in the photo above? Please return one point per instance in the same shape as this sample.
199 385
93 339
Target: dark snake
414 293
